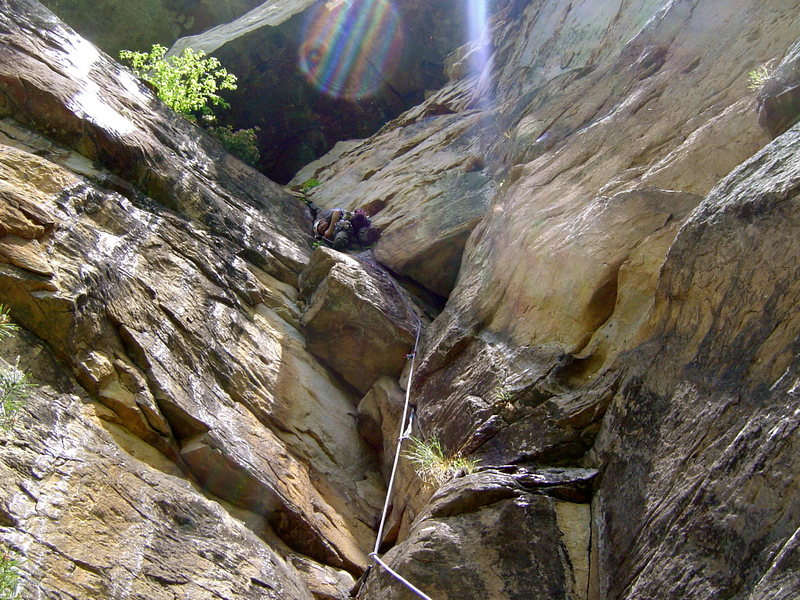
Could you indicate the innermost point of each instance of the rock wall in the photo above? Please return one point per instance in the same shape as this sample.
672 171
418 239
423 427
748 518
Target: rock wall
155 279
604 139
608 211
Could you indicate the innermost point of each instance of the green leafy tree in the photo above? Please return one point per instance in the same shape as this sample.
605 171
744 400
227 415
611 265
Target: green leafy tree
187 83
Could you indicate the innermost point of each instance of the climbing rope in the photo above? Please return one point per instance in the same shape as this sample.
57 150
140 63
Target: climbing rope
405 433
400 578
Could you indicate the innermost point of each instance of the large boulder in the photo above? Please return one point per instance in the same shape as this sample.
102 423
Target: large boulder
496 535
357 320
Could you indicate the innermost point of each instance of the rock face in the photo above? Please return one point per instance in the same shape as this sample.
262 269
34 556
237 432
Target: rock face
601 133
356 320
158 276
599 198
516 517
97 513
710 406
303 86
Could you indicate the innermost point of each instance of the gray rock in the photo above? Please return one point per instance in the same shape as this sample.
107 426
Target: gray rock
779 97
485 536
356 320
699 450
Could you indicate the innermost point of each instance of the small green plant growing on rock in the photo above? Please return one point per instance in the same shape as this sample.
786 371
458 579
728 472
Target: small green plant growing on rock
432 465
758 77
10 588
242 142
187 83
15 389
309 184
6 326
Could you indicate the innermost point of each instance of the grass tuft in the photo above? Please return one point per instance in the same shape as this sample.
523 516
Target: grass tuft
432 465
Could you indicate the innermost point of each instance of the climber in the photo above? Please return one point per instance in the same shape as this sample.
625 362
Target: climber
345 230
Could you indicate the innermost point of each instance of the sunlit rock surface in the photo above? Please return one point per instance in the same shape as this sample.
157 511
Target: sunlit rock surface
97 513
615 232
356 319
603 134
161 274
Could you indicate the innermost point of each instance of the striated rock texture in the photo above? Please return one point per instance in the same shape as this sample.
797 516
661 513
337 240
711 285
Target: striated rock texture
599 130
706 418
612 222
99 514
177 411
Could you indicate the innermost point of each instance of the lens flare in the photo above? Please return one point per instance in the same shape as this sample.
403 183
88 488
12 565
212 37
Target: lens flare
351 46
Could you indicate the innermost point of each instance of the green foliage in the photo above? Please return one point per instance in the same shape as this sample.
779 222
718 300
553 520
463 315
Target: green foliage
758 77
15 389
10 588
242 142
6 326
503 394
310 184
431 463
187 83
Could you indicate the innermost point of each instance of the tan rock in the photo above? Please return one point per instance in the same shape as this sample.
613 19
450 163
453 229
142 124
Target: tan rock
379 414
323 582
93 510
707 407
356 320
26 254
180 321
429 201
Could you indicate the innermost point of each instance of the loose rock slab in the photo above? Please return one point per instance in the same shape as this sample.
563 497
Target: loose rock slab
356 320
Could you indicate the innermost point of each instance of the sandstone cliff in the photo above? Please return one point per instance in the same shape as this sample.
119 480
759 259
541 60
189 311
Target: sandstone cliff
611 232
